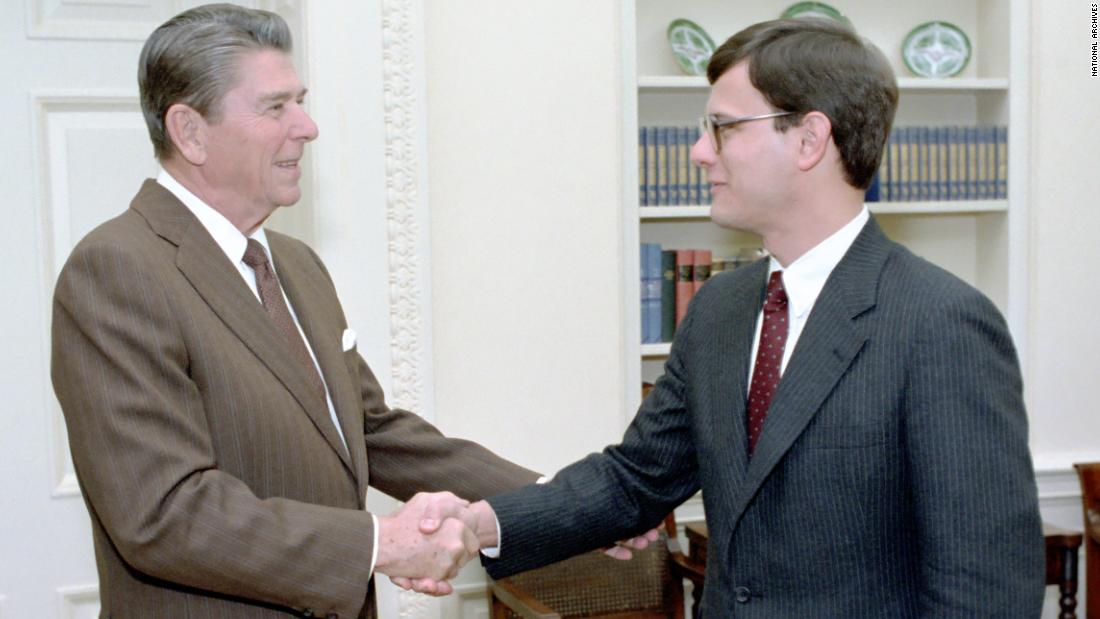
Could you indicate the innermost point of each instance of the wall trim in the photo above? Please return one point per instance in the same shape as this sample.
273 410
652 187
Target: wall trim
408 227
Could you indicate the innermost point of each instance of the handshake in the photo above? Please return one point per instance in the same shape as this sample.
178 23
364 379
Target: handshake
425 543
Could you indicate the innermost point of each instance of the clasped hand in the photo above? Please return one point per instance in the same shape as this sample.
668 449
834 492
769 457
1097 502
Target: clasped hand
425 543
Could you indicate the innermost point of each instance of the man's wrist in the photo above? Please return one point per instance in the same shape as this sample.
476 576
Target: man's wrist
486 524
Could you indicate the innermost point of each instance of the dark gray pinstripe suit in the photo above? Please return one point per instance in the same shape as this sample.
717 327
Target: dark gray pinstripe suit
215 480
892 478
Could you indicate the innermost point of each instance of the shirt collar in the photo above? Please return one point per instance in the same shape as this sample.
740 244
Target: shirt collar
805 277
225 234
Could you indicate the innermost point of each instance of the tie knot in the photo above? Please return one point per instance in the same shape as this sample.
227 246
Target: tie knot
776 298
254 254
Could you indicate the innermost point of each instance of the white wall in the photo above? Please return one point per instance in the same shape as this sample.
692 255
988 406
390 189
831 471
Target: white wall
1065 265
524 160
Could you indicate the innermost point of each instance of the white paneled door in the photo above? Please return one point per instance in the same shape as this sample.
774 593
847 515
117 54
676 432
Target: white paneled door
75 150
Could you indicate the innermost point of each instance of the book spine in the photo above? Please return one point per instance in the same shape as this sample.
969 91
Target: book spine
653 282
921 162
944 163
971 164
668 295
683 169
903 164
933 164
651 166
892 190
642 189
955 155
684 286
662 166
694 173
1002 162
701 271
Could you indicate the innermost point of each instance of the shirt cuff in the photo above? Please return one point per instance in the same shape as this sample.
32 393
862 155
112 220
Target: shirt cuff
374 554
494 552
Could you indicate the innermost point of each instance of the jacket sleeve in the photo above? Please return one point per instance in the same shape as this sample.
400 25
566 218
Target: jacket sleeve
966 440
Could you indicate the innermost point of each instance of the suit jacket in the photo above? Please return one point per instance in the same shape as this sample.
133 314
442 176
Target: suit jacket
215 479
892 477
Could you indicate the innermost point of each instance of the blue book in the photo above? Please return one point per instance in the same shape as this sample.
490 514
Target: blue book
642 190
683 173
672 166
1002 162
662 166
694 173
651 166
651 293
872 193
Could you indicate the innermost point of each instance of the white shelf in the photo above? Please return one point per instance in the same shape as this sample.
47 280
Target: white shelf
957 207
650 213
910 84
656 350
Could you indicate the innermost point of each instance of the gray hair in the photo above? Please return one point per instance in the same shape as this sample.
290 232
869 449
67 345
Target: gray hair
193 57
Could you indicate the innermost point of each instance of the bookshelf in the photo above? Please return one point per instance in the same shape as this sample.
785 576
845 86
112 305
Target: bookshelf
984 242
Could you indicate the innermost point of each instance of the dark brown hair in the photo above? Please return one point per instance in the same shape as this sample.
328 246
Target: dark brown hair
192 59
804 65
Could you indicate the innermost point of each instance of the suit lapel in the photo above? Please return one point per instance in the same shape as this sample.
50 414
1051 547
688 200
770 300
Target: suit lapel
328 350
826 348
729 372
217 281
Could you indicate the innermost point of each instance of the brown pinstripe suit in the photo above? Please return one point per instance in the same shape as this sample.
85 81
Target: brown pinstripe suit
216 485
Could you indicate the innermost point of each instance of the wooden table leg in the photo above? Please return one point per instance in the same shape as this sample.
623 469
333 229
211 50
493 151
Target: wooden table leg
1068 587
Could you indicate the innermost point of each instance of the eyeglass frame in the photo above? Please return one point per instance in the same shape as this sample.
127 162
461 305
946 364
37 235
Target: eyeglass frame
710 124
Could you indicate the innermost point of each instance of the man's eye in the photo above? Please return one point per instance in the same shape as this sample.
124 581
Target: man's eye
278 107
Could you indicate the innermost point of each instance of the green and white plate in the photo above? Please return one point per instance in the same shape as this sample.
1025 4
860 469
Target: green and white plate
814 9
936 49
691 45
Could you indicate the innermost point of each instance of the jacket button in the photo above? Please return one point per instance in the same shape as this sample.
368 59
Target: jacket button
742 594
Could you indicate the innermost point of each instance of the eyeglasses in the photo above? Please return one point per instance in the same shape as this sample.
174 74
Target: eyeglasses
712 125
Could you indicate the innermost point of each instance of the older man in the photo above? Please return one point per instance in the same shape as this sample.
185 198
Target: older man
223 426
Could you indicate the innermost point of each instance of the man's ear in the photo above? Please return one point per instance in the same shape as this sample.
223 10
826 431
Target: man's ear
815 133
187 130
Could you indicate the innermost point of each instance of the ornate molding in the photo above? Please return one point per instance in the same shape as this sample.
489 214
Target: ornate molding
405 228
402 191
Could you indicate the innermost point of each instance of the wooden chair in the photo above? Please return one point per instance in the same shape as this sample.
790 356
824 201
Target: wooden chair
1089 474
595 585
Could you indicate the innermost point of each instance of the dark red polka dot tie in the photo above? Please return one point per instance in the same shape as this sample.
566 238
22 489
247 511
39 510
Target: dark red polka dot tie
769 357
271 296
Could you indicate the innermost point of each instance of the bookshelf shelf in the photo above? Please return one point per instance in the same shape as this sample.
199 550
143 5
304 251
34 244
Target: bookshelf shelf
654 351
910 84
659 213
957 207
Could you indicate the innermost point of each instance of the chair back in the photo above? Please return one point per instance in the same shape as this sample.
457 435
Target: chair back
1089 475
596 585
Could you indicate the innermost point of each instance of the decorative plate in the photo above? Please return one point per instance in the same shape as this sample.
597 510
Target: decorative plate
936 49
691 45
814 9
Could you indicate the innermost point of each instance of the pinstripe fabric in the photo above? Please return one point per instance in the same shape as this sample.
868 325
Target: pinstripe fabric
215 480
892 478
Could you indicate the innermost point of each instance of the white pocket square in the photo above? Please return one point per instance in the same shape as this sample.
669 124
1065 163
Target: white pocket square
349 339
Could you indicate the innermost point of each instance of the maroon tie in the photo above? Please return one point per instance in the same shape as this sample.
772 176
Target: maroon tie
769 356
271 296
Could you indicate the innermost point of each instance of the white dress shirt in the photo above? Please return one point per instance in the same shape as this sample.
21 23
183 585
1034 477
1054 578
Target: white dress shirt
804 279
